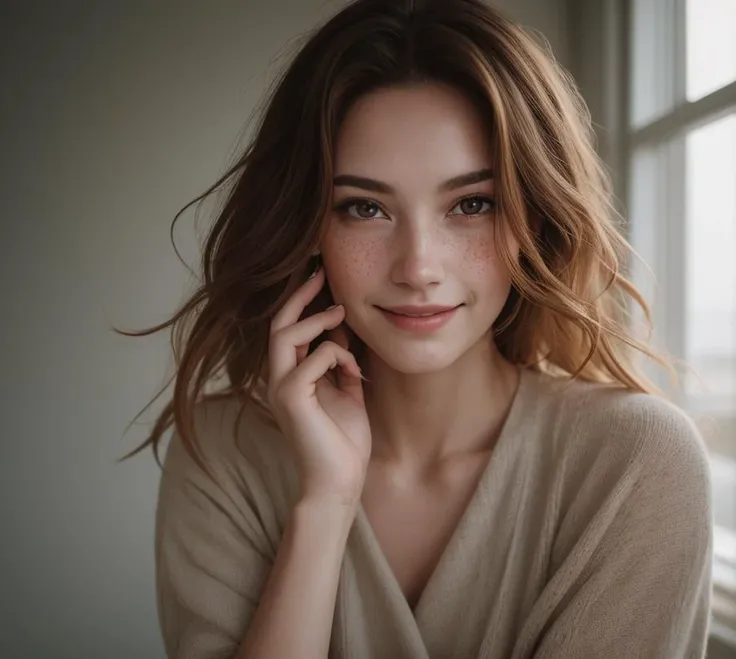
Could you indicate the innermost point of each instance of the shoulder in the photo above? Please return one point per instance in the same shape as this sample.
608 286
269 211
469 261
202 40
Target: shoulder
228 436
246 453
600 427
629 461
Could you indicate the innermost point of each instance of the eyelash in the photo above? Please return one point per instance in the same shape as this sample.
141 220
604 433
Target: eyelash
348 203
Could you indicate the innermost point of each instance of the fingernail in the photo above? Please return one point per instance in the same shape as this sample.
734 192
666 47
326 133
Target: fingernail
314 274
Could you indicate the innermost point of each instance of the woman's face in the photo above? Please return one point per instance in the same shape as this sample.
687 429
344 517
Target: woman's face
401 234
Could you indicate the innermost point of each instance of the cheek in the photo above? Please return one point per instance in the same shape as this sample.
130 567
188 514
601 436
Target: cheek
479 255
351 264
482 261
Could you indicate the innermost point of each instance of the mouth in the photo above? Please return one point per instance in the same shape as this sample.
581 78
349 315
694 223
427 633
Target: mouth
414 311
419 319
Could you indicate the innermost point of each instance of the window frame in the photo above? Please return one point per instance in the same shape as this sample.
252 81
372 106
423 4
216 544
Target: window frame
664 250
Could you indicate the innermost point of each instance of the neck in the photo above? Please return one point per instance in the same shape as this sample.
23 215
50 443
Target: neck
422 419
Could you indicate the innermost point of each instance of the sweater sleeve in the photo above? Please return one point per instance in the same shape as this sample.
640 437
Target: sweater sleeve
635 580
212 551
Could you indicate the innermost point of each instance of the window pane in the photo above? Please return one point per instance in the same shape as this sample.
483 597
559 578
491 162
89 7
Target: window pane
645 209
656 230
687 235
710 272
711 46
723 482
652 57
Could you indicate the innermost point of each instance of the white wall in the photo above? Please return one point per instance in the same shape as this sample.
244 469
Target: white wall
113 116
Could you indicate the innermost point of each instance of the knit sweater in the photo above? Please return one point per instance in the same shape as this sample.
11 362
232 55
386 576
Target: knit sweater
589 534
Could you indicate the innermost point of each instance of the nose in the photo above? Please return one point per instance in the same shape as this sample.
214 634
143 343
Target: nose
417 261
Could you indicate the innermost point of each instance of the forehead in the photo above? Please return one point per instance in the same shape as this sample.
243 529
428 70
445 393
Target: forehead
430 131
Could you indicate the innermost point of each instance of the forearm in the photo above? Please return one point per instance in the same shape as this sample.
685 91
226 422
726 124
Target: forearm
295 613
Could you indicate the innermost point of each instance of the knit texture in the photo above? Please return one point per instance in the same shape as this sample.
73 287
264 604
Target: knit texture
590 534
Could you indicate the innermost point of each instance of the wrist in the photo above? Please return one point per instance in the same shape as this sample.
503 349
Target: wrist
347 495
328 508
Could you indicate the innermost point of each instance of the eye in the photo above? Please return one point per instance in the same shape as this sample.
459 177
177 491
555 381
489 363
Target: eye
473 206
366 209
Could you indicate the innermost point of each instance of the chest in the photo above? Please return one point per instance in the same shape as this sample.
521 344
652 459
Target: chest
414 521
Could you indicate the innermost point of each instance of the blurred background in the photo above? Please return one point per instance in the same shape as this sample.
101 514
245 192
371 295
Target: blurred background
114 115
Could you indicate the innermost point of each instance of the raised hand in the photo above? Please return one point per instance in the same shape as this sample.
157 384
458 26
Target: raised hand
325 420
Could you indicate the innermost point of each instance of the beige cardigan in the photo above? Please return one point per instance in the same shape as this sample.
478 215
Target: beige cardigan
589 536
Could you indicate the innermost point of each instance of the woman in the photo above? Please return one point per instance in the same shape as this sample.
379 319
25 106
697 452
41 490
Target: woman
459 458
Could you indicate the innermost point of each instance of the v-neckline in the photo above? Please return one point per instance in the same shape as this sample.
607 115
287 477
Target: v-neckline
504 444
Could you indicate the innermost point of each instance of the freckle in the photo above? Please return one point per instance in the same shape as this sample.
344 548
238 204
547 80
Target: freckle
479 253
359 257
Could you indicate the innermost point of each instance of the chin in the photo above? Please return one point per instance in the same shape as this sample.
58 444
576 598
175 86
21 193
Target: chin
415 360
422 367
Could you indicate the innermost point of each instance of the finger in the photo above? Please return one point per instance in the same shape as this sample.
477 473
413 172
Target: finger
303 349
339 335
327 356
351 383
290 313
288 346
301 353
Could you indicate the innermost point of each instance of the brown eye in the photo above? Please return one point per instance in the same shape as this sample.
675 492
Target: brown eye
472 206
366 210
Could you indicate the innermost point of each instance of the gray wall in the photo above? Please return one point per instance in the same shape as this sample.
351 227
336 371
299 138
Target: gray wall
113 116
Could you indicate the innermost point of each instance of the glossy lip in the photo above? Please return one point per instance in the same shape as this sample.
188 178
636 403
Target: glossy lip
437 319
414 309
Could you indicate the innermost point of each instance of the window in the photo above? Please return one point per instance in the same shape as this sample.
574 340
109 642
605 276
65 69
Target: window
711 47
681 194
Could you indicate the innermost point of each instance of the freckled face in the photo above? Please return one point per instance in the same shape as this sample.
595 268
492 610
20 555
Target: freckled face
416 239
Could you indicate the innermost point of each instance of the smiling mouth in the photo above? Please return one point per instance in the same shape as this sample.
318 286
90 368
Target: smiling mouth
411 313
418 315
422 322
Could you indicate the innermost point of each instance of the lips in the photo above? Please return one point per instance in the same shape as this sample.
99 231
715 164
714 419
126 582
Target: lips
414 311
421 319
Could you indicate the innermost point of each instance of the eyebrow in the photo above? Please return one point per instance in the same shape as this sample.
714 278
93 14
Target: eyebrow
379 186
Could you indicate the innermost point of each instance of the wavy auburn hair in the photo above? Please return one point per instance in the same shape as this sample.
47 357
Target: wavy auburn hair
569 307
